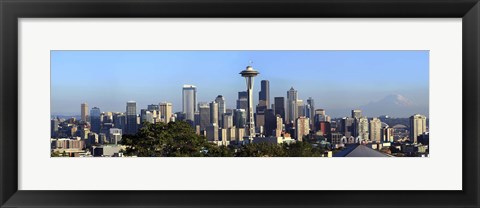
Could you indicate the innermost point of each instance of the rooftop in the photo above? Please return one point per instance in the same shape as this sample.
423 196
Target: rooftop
189 86
360 151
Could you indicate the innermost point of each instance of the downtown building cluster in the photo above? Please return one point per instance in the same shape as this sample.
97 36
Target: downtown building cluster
99 133
285 120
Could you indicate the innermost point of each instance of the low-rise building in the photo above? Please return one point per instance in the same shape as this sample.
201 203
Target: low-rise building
273 140
106 150
67 143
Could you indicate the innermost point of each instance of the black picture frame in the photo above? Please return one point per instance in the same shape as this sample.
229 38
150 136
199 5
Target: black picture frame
11 10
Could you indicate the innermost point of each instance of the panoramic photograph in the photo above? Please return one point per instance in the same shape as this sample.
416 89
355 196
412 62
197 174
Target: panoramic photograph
229 103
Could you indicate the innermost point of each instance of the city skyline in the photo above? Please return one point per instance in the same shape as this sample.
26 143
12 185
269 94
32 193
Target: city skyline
290 127
162 82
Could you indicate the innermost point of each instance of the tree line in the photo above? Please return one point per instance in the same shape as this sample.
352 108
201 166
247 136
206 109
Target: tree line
178 139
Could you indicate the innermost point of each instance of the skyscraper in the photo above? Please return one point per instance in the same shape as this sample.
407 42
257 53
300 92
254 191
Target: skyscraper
212 132
362 128
320 112
263 103
143 114
155 111
231 134
418 125
106 128
387 134
204 115
260 120
242 101
146 116
119 121
214 113
347 126
264 95
319 116
375 130
84 112
242 94
325 128
189 101
222 109
166 112
356 114
107 117
302 127
280 107
300 108
131 113
53 127
292 110
227 120
249 73
239 118
153 107
310 111
278 126
270 122
95 120
196 123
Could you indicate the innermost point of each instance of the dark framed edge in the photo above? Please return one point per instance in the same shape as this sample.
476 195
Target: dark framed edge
11 10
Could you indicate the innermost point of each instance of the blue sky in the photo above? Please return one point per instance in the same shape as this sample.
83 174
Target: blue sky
337 80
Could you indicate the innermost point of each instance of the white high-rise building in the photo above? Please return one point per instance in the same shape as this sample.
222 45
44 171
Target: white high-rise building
302 128
214 113
362 127
279 126
418 125
375 130
387 134
189 101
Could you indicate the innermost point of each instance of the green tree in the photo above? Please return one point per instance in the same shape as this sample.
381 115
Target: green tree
178 139
302 149
261 150
220 151
175 139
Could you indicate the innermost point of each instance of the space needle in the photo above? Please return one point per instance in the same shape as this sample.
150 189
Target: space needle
249 73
